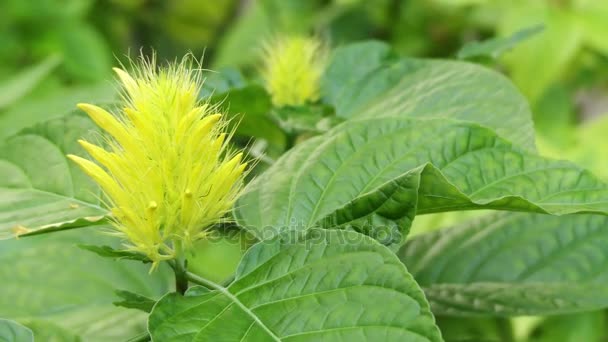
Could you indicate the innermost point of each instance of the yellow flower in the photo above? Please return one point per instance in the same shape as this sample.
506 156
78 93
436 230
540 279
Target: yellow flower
292 70
167 173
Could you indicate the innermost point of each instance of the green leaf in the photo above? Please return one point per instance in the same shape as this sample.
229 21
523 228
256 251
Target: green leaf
11 331
21 84
425 89
59 103
322 285
495 47
367 56
39 187
464 167
49 332
47 277
513 264
134 301
382 214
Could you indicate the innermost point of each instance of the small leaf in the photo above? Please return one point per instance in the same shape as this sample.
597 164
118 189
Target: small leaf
495 47
319 286
109 252
134 301
11 331
513 264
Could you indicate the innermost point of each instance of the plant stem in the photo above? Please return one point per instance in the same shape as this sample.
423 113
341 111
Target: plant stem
202 281
180 270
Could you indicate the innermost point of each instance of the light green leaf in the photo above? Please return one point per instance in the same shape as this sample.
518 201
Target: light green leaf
59 103
49 332
21 84
323 285
49 278
11 331
465 167
39 188
495 47
513 264
425 89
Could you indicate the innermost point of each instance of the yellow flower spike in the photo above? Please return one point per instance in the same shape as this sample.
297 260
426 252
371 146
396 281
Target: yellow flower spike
167 171
292 69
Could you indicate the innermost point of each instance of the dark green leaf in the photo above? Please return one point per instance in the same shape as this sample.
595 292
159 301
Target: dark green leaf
513 264
384 214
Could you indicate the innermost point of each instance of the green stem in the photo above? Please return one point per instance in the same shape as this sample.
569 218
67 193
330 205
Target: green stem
202 281
180 269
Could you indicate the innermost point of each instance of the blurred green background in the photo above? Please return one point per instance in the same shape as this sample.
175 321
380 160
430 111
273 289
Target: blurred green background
55 53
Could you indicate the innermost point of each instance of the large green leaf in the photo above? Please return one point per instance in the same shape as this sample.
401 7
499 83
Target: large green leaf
39 188
514 264
321 286
48 278
464 166
11 331
389 87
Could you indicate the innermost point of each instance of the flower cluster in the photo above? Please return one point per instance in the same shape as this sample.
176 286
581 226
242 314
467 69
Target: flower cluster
292 70
165 168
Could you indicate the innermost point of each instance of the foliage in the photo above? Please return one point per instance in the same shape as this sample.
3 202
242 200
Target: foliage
407 199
